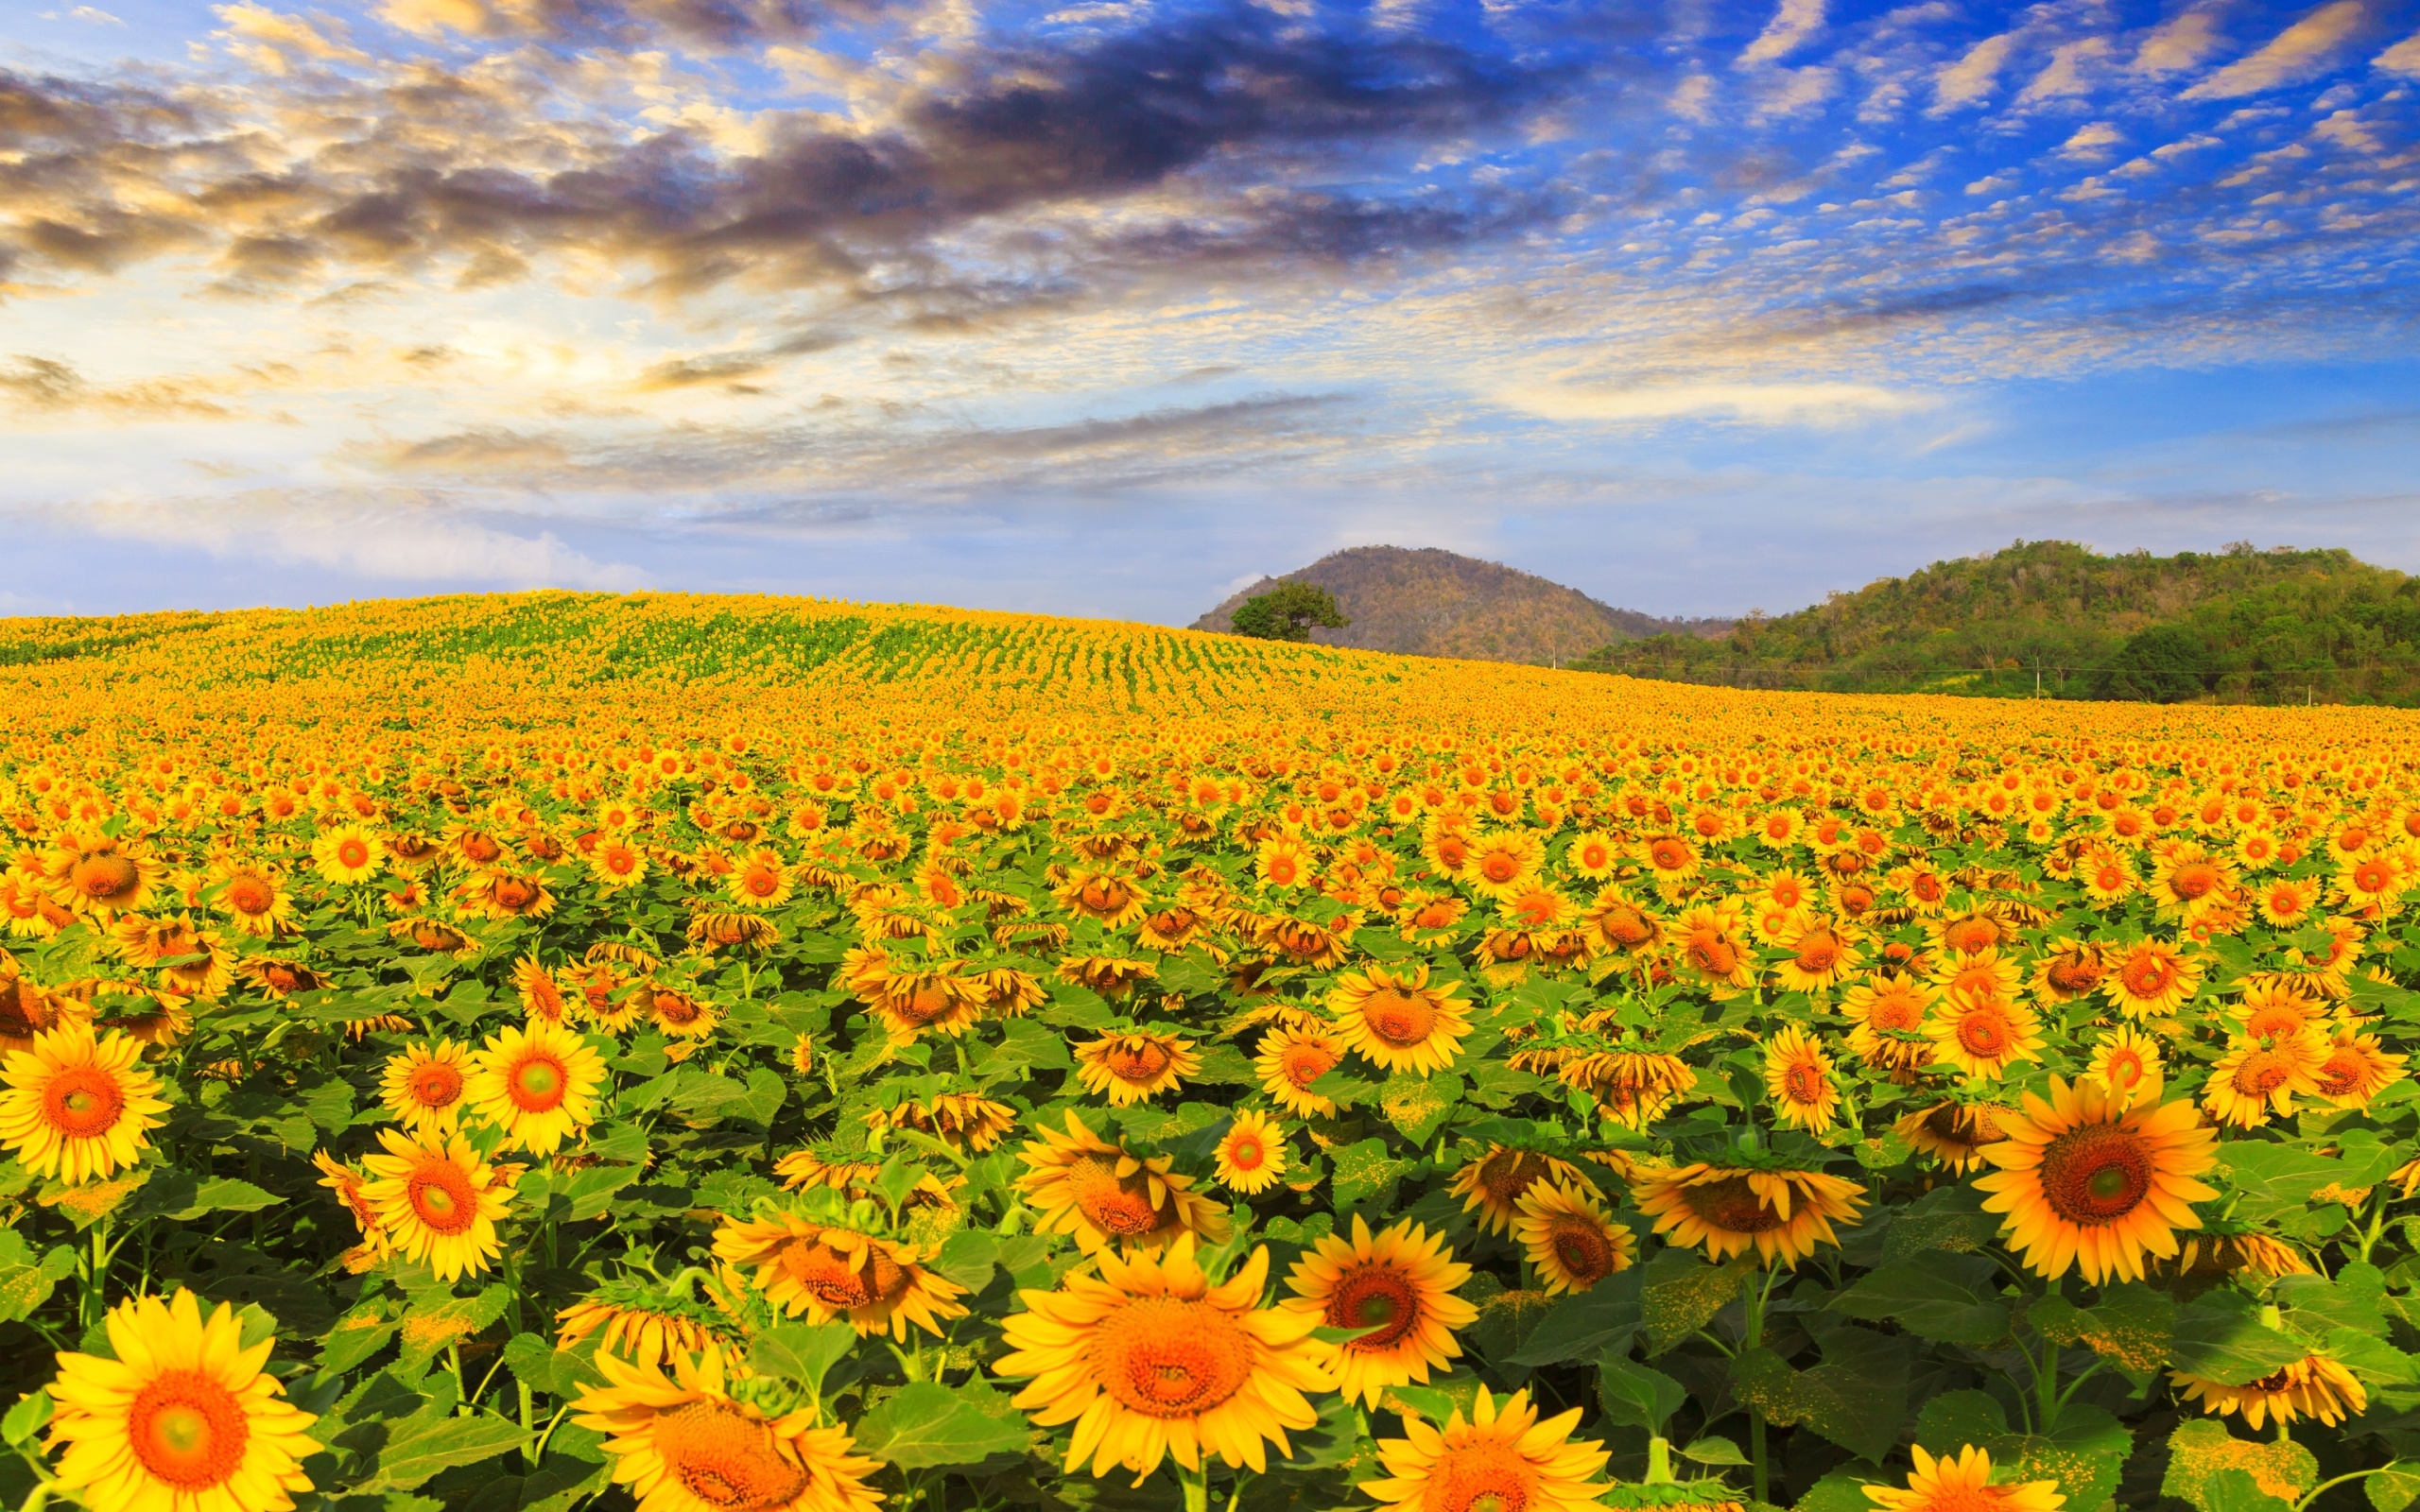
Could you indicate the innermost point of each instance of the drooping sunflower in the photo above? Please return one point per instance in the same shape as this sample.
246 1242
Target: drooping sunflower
1782 1214
2313 1386
1568 1238
2256 1078
1250 1156
1108 897
1401 1285
1494 1185
536 1082
2356 1069
1621 924
2150 979
77 1108
498 896
192 962
1151 1361
2125 1056
1952 1133
352 1189
681 1444
184 1418
422 1087
1290 1060
1962 1483
829 1272
1984 1036
347 855
2225 1248
962 1121
1134 1068
438 1203
637 1325
2097 1177
2066 969
1501 1458
1397 1021
1103 1195
1798 1078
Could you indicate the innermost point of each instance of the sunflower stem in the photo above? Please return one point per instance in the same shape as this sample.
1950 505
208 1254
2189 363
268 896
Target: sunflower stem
1197 1487
1751 1338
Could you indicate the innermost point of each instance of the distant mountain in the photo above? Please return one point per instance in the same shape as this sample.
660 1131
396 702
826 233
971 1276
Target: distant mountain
2239 624
1430 602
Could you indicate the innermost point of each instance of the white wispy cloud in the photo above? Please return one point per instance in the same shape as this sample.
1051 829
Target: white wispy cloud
2302 49
1820 404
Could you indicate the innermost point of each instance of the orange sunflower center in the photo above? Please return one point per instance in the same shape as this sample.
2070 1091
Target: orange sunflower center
1481 1475
1119 1206
1895 1012
538 1084
351 852
249 895
1583 1249
1626 927
761 882
1246 1153
1501 868
1817 954
515 893
841 1281
2148 976
923 1004
1732 1206
187 1430
1713 954
1668 855
479 848
2125 1067
2096 1175
1375 1295
2343 1072
1985 1030
725 1459
1399 1018
1801 1081
675 1009
2275 1020
1969 935
1165 1357
83 1102
2074 975
2262 1072
440 1193
2194 881
1136 1059
2373 876
434 1084
104 877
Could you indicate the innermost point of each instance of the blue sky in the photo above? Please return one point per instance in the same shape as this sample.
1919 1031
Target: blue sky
1104 308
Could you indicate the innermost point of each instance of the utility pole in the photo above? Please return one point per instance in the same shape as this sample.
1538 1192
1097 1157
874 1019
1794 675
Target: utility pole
2037 681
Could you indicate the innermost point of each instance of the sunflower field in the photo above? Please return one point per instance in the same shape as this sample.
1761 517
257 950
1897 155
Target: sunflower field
561 1050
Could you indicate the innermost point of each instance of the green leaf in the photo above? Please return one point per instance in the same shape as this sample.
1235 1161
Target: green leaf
925 1424
429 1329
2084 1454
1844 1489
1854 1397
434 1439
968 1258
2395 1487
2316 1306
1359 1172
2237 1491
1681 1294
1946 1298
1419 1105
26 1283
2132 1326
803 1353
357 1336
1954 1419
1638 1395
1582 1323
2201 1449
1713 1449
540 1366
223 1194
2220 1337
27 1419
2378 1363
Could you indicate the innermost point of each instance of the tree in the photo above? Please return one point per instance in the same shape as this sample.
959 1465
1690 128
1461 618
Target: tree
1287 612
2162 664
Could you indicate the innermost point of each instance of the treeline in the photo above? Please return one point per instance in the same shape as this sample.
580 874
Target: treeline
2237 625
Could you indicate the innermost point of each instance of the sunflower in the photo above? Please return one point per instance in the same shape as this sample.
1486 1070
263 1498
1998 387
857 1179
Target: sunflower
2286 902
681 1444
537 1083
675 1014
99 877
1783 1214
2275 1009
1104 1196
1621 924
1670 859
831 1273
184 1417
2188 882
2371 885
1819 955
617 864
1952 1133
1962 1483
255 899
1564 1230
1593 855
1984 973
1134 1068
630 1328
2313 1386
421 1086
1501 1460
541 996
2356 1070
1982 1037
2256 1078
1504 862
2227 1249
347 855
1798 1076
2150 979
1397 1020
1887 1014
1708 949
1283 860
77 1108
962 1121
350 1188
438 1203
1290 1060
1151 1361
1251 1154
2108 878
1112 900
2066 969
1494 1185
498 896
2124 1058
1398 1285
2098 1179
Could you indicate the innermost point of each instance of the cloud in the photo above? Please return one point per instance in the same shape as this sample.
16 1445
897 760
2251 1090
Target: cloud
2301 50
94 15
1816 404
1972 77
2095 142
2403 58
2179 43
1792 24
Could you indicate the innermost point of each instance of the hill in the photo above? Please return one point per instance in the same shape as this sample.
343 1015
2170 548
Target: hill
1430 602
2239 625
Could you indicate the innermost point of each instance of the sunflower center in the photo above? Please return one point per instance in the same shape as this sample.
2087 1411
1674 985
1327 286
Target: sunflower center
1377 1297
2340 1074
1898 1012
1483 1475
2194 881
2276 1021
2373 876
479 848
249 895
1713 954
1399 1018
1668 855
1136 1059
672 1008
187 1430
2096 1175
1582 1250
2074 975
1245 1153
1817 954
725 1459
922 1004
1626 927
538 1085
1985 1031
1507 1175
2148 976
440 1192
105 877
1801 1082
83 1102
1971 935
1732 1206
435 1085
1119 1206
353 853
761 883
1165 1357
2262 1072
841 1281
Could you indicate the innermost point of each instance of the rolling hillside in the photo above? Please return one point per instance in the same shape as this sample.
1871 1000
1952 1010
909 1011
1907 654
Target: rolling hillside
1430 602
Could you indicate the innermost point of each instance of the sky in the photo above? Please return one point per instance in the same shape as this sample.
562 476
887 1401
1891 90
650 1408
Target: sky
1109 307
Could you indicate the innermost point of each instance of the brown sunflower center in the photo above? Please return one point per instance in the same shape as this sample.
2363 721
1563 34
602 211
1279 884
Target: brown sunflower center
1801 1081
1481 1475
2096 1175
1507 1175
842 1281
1583 1250
104 877
1119 1206
187 1430
2341 1073
250 895
922 1003
2194 881
538 1084
440 1193
83 1102
1626 927
2074 975
1165 1357
725 1459
1136 1059
476 847
1399 1018
674 1009
1375 1295
2262 1072
1731 1204
434 1084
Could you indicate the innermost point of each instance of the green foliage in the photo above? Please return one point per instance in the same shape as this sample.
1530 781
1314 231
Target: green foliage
1289 612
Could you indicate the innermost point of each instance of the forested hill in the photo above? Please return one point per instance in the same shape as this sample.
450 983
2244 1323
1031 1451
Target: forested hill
2241 624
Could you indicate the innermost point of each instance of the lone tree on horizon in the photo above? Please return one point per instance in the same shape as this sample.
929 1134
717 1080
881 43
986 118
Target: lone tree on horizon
1287 612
